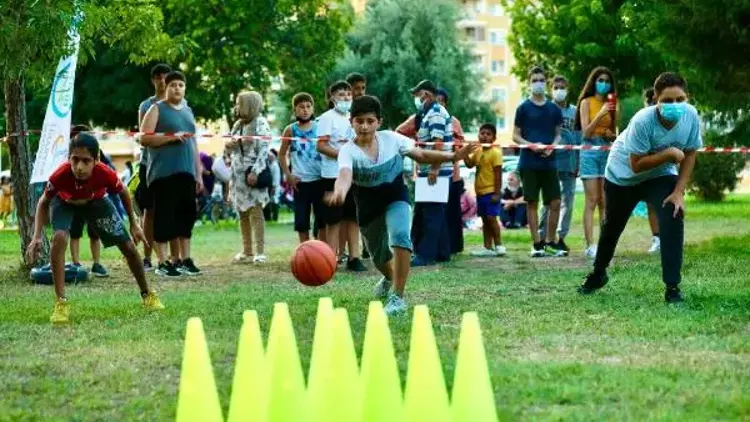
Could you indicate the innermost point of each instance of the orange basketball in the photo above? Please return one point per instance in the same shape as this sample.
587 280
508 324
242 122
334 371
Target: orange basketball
313 263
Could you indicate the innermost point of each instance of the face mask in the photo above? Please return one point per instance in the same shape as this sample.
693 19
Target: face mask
301 120
672 111
559 95
343 106
418 103
537 88
602 88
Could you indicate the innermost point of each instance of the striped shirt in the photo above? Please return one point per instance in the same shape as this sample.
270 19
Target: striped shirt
436 123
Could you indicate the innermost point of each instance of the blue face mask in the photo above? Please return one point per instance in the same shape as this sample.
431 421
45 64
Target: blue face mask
343 106
672 111
602 88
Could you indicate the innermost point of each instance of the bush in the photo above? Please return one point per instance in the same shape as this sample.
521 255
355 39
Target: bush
716 174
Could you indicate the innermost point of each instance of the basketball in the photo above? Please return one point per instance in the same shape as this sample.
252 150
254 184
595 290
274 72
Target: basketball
313 263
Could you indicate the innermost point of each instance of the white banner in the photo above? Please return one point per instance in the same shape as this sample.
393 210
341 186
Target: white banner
55 138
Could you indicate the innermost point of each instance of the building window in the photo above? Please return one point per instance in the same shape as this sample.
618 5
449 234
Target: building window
498 37
475 34
497 10
498 94
479 6
500 123
478 62
498 67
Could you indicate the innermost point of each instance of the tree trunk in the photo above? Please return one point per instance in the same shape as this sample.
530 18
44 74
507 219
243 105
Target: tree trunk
24 195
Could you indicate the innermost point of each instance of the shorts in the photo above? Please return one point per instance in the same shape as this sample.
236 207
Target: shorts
308 197
144 197
99 214
174 207
389 230
487 208
593 163
545 181
76 228
335 215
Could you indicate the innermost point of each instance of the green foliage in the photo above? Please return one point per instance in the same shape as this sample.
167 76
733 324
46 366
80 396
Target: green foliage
716 174
244 44
399 43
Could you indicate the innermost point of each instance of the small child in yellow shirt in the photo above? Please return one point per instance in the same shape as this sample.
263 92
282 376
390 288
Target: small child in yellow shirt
489 176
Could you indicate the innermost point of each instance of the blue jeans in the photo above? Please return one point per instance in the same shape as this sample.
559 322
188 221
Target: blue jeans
514 217
430 232
568 189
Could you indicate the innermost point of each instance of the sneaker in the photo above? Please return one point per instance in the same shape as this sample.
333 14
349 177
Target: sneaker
382 288
561 246
484 253
673 295
395 305
592 282
98 270
590 252
500 250
167 269
240 257
552 250
356 265
537 251
655 245
147 266
365 253
61 314
343 259
151 302
189 268
260 259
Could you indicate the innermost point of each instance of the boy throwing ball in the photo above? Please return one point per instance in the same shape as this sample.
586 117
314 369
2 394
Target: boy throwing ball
373 162
77 189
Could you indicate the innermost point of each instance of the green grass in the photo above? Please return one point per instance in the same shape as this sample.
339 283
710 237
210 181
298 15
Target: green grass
621 354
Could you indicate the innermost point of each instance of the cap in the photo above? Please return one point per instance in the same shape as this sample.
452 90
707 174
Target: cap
425 85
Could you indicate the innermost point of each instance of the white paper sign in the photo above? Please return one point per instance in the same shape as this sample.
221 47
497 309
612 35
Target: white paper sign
424 192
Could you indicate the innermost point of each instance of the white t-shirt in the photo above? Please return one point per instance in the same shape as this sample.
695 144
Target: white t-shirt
339 129
646 135
392 147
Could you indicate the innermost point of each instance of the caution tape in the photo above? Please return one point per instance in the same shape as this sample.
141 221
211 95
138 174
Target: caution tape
535 147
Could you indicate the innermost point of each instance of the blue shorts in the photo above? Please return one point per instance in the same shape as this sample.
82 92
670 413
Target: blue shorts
487 208
389 230
593 162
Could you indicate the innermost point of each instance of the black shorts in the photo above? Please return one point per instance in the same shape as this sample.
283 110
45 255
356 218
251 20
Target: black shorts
307 198
99 214
545 181
174 207
144 198
335 215
76 228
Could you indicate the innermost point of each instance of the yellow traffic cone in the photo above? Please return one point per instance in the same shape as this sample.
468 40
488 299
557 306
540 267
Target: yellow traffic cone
381 385
249 390
287 401
198 399
426 398
320 359
345 390
473 399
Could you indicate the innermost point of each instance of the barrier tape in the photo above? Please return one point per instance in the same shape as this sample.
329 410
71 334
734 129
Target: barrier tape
709 149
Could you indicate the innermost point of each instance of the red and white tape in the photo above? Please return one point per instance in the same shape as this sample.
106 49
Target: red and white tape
716 150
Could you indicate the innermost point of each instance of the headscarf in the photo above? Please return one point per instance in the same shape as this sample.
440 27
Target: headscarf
250 105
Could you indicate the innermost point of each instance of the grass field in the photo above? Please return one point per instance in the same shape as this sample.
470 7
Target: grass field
622 354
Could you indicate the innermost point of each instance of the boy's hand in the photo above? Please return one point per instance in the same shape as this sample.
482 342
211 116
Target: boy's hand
432 177
32 251
678 200
252 179
137 233
546 152
677 155
335 198
465 151
292 182
495 199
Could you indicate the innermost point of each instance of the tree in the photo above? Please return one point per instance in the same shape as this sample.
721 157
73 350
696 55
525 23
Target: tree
33 37
399 43
244 44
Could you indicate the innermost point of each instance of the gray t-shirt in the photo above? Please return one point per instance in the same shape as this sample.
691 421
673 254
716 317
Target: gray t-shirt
177 157
142 110
646 135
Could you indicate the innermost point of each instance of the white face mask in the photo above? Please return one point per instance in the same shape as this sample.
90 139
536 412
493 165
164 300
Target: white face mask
418 103
560 95
537 88
343 106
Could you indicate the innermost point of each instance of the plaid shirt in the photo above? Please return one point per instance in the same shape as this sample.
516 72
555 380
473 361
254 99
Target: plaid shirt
436 123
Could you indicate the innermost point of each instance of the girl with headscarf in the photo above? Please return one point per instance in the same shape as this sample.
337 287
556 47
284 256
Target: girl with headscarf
249 158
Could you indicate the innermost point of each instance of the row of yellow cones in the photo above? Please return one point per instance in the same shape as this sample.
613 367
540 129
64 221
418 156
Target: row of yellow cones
269 384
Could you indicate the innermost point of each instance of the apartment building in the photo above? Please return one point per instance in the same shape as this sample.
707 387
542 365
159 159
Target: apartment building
484 25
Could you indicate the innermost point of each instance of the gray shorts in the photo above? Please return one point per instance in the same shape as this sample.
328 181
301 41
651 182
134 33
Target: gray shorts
391 229
99 214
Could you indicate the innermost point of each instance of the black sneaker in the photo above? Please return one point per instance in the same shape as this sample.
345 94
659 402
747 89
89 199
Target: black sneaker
592 283
537 251
561 246
147 266
365 253
167 269
673 295
356 265
343 259
98 270
189 268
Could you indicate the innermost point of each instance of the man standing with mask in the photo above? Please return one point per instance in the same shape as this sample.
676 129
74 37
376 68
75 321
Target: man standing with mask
430 228
567 165
538 123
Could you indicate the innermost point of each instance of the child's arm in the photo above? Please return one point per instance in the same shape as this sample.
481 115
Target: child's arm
149 126
40 218
498 183
284 160
340 188
436 157
135 228
325 149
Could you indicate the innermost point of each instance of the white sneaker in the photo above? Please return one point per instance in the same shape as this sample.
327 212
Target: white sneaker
537 253
655 245
259 259
590 252
396 305
500 250
484 253
382 288
240 257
